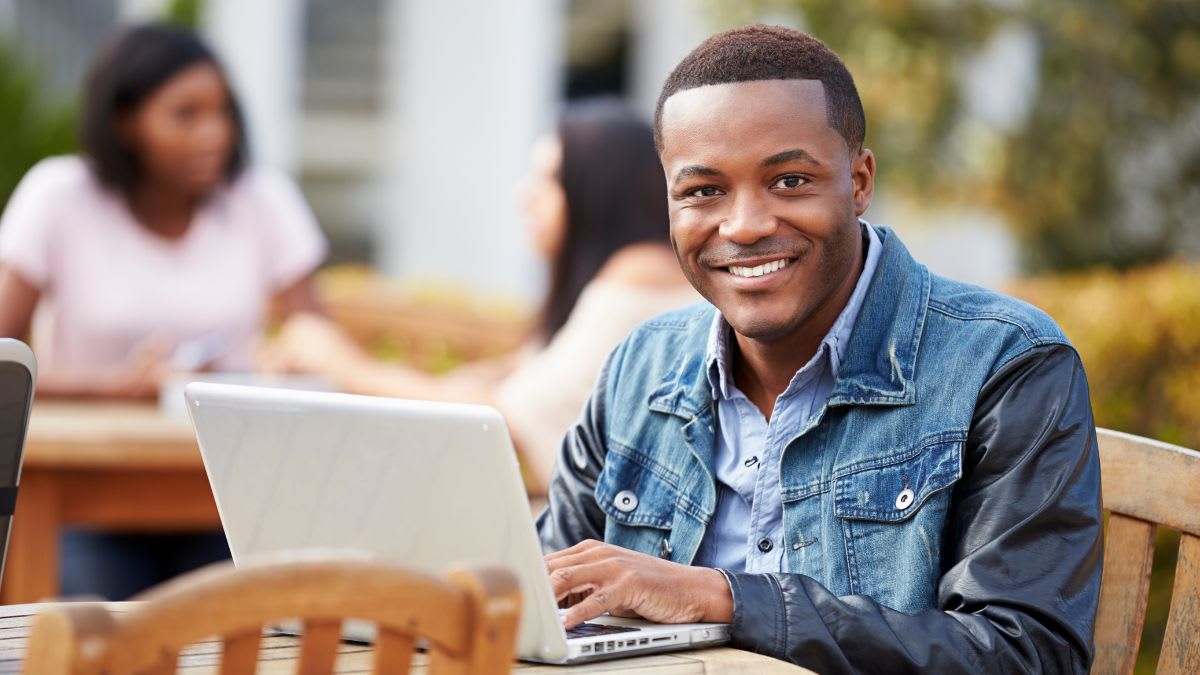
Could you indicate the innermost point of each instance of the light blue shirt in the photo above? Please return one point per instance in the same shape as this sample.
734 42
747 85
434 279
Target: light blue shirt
746 531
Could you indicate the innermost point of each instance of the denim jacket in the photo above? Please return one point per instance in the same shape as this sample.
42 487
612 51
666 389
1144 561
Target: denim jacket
941 512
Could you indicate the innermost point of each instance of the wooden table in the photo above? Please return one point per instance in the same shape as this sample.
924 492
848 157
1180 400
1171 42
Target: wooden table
120 467
279 655
108 466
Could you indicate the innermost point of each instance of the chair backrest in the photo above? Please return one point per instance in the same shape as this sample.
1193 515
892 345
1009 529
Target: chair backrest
468 620
1147 483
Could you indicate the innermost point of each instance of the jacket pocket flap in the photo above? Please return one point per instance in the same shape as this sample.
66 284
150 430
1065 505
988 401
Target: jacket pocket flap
893 488
635 490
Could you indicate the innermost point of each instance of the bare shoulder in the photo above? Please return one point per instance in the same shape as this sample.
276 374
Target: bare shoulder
647 265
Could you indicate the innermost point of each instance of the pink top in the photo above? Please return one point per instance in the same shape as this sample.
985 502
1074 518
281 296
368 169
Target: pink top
110 285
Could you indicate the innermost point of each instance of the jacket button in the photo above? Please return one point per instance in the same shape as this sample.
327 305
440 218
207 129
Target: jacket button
765 545
904 499
665 551
625 501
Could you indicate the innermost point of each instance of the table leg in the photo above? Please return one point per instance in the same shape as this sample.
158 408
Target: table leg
31 571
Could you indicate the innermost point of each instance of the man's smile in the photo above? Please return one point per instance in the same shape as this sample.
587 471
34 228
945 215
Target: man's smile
759 269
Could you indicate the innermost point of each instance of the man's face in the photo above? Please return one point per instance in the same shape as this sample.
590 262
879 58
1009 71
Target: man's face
764 201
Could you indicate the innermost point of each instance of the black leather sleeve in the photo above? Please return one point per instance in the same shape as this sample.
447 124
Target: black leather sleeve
1022 559
571 514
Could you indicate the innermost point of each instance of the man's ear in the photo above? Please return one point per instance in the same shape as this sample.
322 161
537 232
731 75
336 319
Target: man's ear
862 172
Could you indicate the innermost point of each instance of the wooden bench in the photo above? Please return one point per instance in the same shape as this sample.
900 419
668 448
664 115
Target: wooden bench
1147 483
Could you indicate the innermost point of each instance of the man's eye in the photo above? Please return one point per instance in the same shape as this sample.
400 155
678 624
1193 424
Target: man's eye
788 182
706 191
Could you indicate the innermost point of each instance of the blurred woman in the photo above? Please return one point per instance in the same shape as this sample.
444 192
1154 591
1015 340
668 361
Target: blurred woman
156 250
596 204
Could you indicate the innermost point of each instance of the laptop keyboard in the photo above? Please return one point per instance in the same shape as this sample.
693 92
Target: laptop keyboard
591 629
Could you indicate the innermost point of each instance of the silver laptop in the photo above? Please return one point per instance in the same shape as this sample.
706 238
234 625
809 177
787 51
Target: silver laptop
426 485
18 376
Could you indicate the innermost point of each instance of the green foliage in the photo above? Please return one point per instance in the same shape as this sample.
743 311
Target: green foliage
1138 333
1105 168
184 13
30 128
1108 166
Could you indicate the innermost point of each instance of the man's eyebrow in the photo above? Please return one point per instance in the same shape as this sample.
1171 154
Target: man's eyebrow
694 170
797 154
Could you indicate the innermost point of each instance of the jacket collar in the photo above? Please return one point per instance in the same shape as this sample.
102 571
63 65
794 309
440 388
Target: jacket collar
880 359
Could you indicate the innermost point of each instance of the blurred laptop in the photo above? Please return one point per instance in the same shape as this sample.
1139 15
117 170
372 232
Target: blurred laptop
18 376
427 485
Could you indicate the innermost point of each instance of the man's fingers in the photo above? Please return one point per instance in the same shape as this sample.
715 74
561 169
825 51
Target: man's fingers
581 547
578 579
591 607
577 559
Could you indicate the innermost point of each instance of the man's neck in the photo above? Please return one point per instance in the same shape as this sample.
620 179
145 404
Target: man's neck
763 370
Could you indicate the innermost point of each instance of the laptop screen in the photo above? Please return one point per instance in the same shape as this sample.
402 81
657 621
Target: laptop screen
16 392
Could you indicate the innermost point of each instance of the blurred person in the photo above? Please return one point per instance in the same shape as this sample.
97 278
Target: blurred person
596 213
156 250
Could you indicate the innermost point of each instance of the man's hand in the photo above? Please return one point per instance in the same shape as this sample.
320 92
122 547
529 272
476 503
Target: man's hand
626 583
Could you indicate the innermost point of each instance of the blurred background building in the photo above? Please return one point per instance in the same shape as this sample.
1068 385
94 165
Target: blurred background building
408 123
409 141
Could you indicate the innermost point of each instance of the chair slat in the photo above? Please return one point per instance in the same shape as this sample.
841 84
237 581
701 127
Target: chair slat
1150 480
1128 559
393 652
1181 647
462 617
240 655
318 650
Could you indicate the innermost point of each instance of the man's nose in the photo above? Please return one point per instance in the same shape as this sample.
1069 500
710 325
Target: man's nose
749 220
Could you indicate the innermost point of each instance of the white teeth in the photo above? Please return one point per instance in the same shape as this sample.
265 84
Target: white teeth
758 270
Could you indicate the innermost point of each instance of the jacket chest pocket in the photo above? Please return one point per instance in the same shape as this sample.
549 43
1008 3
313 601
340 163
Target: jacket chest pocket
893 511
638 495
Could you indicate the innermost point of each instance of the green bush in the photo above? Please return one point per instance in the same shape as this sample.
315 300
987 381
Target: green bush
1138 333
31 128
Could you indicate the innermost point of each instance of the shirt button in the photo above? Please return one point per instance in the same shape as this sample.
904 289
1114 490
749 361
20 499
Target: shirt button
904 499
765 545
625 501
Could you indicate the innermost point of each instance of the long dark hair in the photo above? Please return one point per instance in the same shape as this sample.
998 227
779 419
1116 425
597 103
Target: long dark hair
127 71
615 192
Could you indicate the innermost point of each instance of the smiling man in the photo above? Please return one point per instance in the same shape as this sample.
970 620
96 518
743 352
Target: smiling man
863 466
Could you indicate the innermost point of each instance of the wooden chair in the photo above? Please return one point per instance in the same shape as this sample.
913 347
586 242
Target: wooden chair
1147 483
468 620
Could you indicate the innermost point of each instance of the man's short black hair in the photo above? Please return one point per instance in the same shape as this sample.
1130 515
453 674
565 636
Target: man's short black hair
127 71
760 52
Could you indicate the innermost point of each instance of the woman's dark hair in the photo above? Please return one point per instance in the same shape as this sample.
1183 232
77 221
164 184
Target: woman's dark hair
127 71
615 193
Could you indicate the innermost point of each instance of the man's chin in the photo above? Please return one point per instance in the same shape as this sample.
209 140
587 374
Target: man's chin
759 328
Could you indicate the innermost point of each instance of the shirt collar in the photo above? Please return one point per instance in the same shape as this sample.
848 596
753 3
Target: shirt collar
717 353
